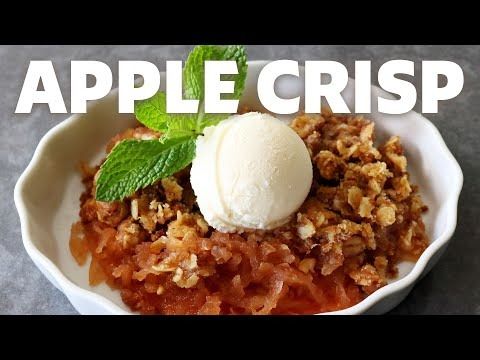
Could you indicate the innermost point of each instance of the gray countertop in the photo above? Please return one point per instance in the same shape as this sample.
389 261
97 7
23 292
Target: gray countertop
452 287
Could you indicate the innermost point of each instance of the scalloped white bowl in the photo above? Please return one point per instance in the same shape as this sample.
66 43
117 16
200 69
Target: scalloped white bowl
47 193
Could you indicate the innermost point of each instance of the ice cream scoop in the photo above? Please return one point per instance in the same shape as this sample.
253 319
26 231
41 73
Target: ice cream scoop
251 171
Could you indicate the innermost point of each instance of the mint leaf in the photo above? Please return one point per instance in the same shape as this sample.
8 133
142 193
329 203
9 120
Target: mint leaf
191 125
181 127
210 120
194 70
135 164
153 112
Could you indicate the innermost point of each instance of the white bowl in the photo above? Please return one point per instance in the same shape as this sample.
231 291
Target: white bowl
47 194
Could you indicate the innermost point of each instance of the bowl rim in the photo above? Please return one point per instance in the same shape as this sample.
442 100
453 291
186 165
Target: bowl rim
69 288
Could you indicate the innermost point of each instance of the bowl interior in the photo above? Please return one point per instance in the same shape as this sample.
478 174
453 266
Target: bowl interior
52 188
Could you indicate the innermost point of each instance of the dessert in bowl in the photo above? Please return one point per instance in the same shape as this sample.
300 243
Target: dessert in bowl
290 268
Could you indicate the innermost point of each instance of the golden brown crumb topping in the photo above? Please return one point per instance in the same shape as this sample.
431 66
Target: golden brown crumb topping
361 218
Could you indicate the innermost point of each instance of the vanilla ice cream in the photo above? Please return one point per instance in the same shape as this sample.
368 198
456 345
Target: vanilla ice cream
251 171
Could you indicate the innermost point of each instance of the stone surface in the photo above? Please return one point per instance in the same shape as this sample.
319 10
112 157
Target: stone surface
452 287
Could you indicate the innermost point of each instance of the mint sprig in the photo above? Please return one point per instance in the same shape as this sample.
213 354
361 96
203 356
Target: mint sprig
135 164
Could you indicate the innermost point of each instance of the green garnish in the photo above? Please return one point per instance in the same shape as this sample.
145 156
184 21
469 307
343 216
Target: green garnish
135 164
194 74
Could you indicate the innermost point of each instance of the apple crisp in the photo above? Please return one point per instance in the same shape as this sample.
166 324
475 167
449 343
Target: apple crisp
361 218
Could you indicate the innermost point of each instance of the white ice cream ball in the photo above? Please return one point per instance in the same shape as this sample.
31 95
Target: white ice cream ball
251 171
